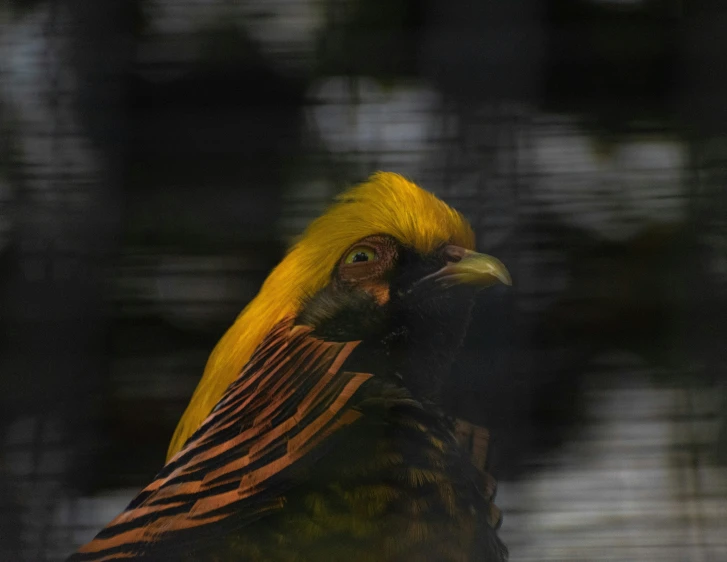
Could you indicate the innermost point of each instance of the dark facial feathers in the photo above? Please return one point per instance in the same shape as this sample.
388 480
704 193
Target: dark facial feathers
343 314
414 335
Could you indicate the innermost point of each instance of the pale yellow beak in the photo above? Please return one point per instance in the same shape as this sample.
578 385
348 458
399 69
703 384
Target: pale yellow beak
475 270
478 270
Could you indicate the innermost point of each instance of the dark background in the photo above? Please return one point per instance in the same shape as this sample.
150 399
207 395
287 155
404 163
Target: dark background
156 157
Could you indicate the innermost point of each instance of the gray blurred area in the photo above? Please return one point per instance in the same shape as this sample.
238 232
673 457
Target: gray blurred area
157 156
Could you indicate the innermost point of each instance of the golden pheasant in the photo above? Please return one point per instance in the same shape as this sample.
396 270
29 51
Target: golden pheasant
316 432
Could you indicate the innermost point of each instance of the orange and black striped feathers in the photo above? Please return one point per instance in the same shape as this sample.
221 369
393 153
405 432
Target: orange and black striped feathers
305 458
288 400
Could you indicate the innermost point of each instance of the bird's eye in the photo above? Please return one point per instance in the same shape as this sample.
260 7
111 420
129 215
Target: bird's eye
360 254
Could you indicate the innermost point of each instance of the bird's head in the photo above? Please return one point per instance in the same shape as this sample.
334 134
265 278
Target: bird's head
410 307
388 263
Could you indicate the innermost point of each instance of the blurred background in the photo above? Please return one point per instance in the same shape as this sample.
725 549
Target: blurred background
157 156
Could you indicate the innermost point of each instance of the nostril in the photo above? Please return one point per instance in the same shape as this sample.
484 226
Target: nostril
454 253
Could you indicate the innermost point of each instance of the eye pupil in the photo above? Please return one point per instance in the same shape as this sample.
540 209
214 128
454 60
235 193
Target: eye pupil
360 256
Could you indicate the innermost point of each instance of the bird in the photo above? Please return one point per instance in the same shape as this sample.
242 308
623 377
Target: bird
317 430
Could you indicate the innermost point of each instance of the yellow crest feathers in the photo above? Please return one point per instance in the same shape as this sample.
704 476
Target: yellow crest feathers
385 204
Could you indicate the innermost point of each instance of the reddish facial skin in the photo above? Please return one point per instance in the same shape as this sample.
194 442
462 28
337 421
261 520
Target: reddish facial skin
371 276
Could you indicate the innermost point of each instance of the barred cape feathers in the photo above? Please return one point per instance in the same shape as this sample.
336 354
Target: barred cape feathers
290 397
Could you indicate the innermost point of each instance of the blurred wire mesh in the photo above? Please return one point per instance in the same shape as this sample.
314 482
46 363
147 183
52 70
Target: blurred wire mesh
158 156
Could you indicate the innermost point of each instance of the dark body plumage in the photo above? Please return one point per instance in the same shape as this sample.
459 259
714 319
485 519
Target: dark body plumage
330 444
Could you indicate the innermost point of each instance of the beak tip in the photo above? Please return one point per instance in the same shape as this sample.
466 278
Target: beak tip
505 278
495 270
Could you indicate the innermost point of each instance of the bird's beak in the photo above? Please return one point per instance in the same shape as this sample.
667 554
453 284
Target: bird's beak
469 268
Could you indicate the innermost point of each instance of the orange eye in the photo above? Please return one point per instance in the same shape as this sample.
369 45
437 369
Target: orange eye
361 254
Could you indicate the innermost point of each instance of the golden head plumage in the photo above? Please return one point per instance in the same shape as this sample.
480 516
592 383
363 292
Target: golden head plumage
385 204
